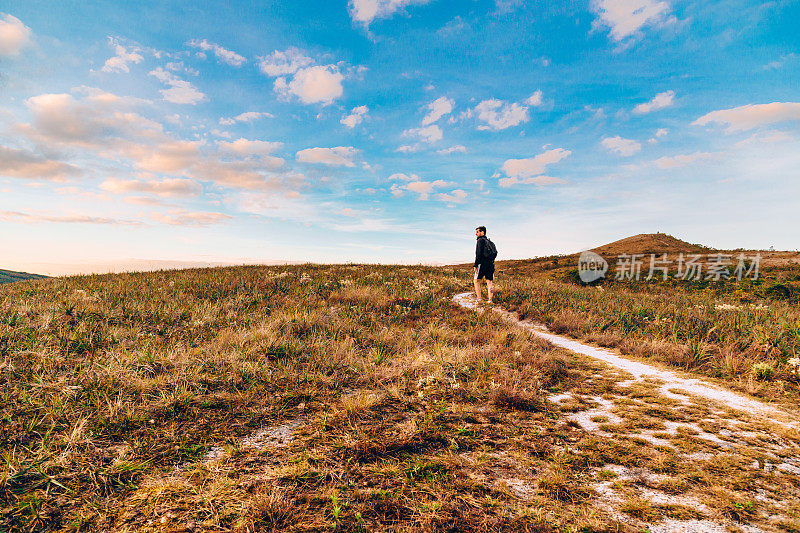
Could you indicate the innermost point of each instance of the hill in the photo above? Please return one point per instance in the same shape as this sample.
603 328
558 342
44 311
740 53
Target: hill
10 276
643 243
661 243
650 243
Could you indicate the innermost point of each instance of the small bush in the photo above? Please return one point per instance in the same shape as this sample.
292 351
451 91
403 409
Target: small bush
763 371
779 291
519 400
639 508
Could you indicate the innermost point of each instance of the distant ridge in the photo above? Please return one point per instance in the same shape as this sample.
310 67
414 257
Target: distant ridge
9 276
650 243
643 244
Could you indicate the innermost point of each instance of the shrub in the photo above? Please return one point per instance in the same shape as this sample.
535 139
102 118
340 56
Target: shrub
793 366
780 291
763 371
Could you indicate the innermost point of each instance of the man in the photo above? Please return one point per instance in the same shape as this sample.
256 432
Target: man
484 263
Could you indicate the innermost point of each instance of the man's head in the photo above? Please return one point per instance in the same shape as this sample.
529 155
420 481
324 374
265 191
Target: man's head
480 231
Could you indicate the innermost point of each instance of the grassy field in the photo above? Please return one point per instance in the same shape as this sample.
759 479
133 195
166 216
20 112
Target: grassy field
360 398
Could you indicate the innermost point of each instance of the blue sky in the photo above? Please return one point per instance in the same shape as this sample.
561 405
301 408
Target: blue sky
386 130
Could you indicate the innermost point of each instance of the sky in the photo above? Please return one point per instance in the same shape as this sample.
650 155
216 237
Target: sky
387 130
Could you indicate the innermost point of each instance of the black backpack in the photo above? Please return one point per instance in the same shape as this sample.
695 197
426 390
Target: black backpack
490 250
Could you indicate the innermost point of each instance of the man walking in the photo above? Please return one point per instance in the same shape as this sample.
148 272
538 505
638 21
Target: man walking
485 252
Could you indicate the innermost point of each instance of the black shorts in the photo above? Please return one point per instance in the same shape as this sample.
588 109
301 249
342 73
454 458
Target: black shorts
486 271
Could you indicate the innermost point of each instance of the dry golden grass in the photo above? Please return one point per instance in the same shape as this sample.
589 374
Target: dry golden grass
337 398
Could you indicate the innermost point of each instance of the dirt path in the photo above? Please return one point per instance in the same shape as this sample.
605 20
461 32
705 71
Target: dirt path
674 386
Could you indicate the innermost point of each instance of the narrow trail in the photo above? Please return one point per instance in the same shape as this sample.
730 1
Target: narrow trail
640 371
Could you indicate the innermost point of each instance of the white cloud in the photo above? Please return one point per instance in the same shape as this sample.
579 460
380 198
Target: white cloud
626 17
409 148
499 115
779 63
248 147
751 116
103 124
281 63
659 133
178 66
144 200
355 117
429 134
98 119
678 161
523 168
455 196
247 174
404 177
28 218
413 183
28 165
169 187
167 156
768 137
424 188
453 149
535 99
223 54
248 116
311 84
621 146
533 180
320 84
180 91
14 36
505 7
336 157
438 108
180 217
453 28
464 115
365 11
480 183
659 101
289 206
122 56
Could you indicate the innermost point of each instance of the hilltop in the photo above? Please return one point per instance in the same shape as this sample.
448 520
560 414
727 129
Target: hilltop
650 243
10 276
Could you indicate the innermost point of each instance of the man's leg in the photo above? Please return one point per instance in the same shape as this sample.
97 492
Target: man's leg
490 287
477 283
